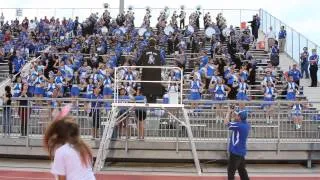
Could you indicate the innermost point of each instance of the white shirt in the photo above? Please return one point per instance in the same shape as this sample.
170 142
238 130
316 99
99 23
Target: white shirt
67 162
271 34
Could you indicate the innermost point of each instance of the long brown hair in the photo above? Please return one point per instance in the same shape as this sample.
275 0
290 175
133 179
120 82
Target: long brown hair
66 131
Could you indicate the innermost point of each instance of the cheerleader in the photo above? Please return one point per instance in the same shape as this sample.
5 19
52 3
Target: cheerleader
50 88
107 87
269 94
292 89
129 77
75 87
39 85
296 113
268 78
195 87
17 87
244 74
209 72
30 80
232 82
242 90
89 88
220 92
59 81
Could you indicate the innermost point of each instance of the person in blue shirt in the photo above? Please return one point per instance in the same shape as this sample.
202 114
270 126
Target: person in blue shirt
238 142
313 61
282 39
296 74
304 57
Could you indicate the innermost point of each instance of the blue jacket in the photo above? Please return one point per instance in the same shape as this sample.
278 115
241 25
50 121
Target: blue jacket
238 138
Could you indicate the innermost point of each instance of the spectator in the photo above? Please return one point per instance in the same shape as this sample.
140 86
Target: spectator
304 62
95 111
313 60
282 39
24 111
270 38
7 111
255 24
274 55
296 74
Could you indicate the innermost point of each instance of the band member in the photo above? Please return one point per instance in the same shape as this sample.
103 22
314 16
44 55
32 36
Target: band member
197 18
182 17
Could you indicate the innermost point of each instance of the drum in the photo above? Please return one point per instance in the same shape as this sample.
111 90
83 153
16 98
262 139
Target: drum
209 32
226 32
104 30
169 29
190 29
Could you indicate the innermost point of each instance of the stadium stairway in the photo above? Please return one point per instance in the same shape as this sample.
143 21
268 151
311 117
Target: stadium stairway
4 70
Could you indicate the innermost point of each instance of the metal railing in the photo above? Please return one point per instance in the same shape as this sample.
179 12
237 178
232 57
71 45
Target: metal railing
295 41
31 119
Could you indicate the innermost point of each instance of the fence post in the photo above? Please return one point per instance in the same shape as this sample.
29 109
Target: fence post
299 47
279 142
292 43
240 16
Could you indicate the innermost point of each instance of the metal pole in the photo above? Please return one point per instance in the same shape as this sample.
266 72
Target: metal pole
121 6
299 47
240 16
292 43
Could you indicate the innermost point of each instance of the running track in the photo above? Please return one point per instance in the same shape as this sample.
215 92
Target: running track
34 175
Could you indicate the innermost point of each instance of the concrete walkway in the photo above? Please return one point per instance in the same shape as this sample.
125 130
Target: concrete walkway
209 168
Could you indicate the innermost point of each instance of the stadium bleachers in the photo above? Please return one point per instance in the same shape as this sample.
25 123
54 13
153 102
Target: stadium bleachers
208 131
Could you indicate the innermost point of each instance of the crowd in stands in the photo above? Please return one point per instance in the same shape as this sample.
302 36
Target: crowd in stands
81 56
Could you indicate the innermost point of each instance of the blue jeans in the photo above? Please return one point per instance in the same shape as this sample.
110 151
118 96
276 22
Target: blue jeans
304 69
6 122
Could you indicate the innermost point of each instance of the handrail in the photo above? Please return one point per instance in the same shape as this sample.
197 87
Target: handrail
8 80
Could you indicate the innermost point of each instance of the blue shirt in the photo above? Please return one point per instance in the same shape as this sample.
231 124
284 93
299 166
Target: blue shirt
296 74
282 34
314 59
238 138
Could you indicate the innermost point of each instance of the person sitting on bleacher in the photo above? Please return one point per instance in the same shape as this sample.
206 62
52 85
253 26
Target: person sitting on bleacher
295 73
269 96
296 113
